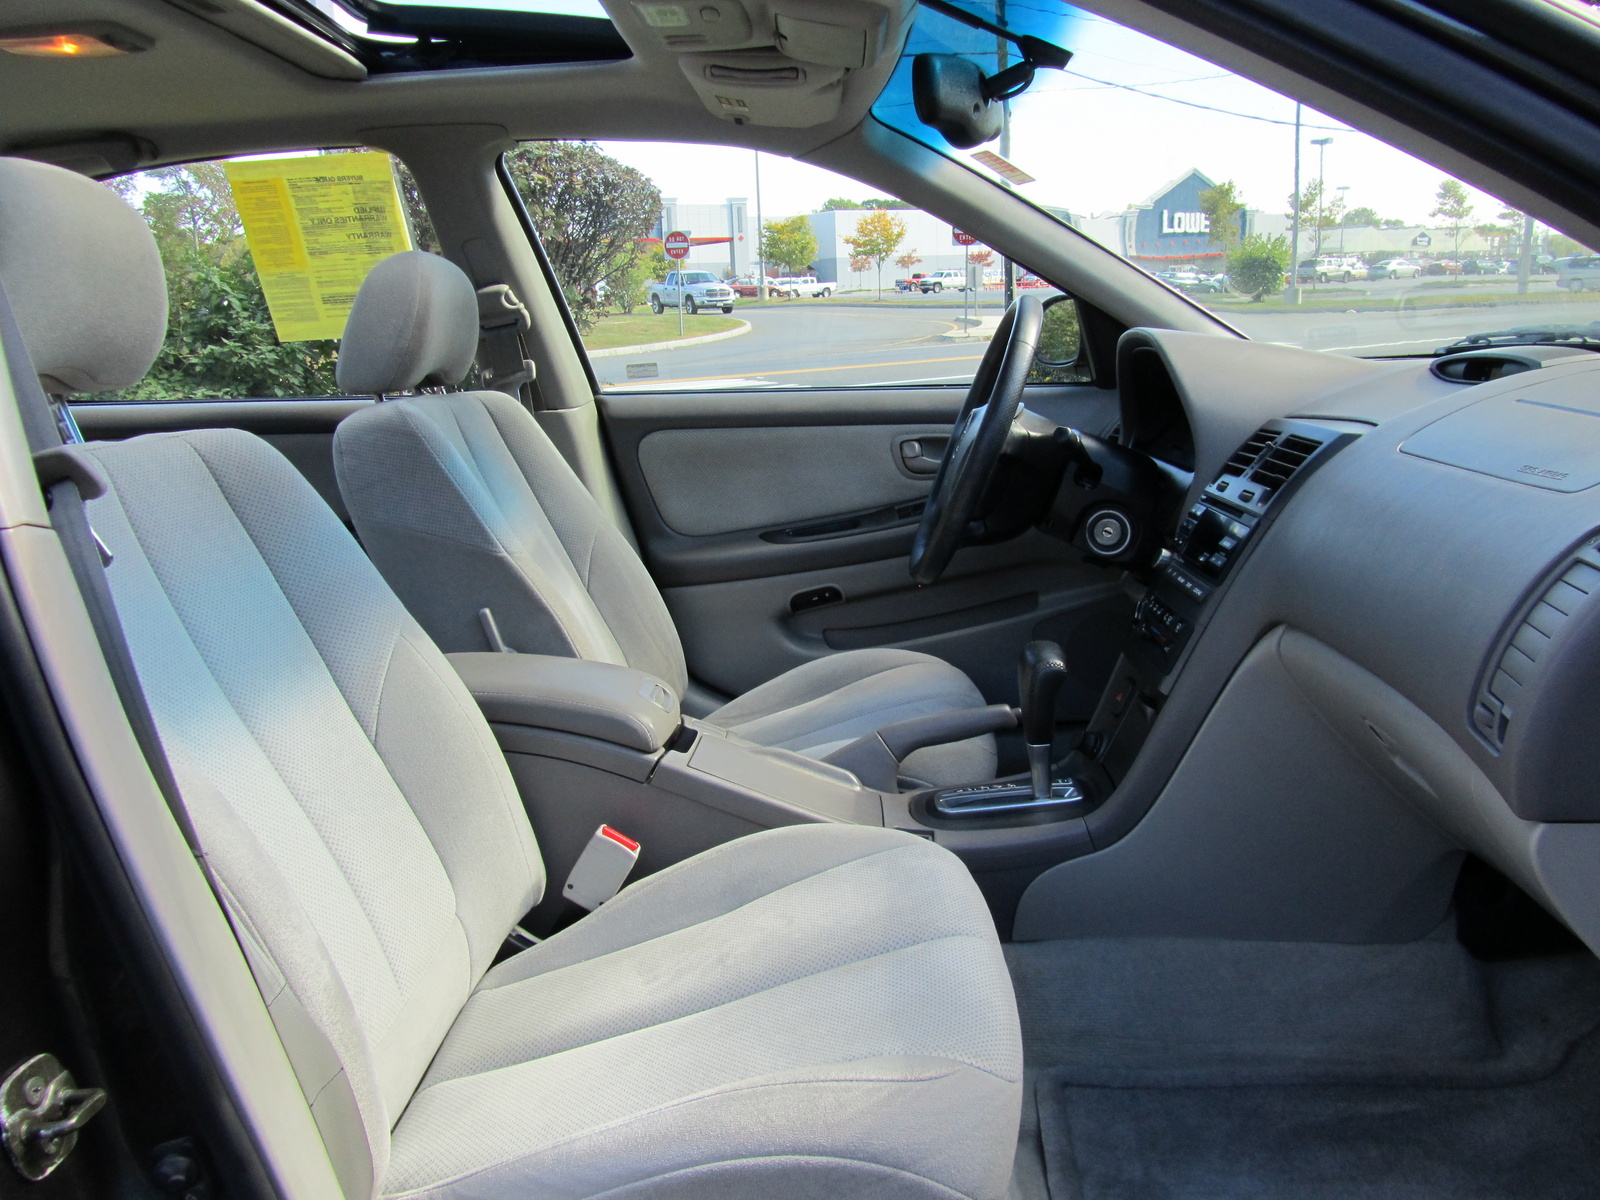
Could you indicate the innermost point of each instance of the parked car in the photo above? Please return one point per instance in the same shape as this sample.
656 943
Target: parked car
910 284
748 286
1332 268
796 286
1395 268
1208 284
1579 273
694 290
937 281
1443 266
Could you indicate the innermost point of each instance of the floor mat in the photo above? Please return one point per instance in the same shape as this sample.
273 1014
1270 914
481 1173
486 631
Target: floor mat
1206 1070
1538 1140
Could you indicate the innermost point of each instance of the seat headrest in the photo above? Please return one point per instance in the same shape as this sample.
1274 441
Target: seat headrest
84 278
414 324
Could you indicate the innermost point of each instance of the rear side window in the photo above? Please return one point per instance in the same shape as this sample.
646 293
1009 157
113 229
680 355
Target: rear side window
310 225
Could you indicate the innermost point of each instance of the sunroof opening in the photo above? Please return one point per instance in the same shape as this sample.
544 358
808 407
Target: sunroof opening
433 35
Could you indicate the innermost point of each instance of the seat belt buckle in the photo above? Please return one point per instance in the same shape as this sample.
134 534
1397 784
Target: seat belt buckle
601 869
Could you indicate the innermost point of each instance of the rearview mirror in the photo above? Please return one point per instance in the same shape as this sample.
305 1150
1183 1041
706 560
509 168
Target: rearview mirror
949 95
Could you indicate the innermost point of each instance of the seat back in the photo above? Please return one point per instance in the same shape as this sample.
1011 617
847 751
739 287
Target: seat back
356 818
464 503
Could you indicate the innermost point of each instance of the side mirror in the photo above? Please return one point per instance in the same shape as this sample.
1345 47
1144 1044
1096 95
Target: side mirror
1059 357
950 98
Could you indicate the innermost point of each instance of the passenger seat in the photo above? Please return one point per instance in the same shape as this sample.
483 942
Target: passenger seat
464 503
812 1011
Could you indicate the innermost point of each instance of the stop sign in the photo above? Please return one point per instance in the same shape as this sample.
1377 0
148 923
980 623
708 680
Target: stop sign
963 239
676 244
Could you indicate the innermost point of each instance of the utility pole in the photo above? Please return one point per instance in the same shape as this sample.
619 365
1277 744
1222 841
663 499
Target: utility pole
1525 259
1321 144
761 238
1294 265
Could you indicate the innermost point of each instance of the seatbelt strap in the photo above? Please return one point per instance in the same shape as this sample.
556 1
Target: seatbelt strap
69 477
502 355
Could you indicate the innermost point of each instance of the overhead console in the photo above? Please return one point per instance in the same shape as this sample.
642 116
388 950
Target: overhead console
769 62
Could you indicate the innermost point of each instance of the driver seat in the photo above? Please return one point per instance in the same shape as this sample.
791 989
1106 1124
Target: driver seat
464 504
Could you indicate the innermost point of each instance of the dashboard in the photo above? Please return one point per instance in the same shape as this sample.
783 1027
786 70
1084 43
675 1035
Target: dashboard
1385 573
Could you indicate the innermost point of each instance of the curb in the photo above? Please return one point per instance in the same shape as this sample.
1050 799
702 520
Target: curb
652 347
982 331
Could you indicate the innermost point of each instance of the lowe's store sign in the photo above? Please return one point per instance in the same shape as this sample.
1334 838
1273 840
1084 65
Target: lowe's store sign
1170 224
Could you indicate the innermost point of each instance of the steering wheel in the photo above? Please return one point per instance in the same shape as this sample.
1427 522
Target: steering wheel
977 438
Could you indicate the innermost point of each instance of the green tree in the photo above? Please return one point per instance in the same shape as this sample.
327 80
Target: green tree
1452 203
877 236
629 288
789 245
590 211
1256 268
1362 217
1318 214
840 204
1224 208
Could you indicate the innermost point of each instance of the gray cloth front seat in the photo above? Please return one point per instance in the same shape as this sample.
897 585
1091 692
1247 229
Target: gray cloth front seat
464 503
812 1011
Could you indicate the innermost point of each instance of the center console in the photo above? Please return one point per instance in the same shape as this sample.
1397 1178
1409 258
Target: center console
1196 566
593 743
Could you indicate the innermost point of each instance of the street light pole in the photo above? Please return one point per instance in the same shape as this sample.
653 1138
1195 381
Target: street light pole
1322 161
761 246
1346 188
1294 254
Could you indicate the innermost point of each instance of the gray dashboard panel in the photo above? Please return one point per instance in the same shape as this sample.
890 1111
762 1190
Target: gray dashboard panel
1545 434
1407 569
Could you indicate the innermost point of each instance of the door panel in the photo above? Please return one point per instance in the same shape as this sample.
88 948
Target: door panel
301 429
775 476
778 526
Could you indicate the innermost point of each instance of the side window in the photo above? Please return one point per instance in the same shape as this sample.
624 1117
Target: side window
860 290
263 258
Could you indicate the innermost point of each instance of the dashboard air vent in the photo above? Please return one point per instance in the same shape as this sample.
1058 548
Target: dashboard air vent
1283 460
1532 636
1245 456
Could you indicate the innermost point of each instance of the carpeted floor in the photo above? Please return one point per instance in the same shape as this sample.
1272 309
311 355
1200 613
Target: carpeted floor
1207 1070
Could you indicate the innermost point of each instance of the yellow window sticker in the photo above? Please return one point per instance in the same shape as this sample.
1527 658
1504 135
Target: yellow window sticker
316 225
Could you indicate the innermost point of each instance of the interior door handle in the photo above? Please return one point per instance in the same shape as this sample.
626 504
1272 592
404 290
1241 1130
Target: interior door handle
922 455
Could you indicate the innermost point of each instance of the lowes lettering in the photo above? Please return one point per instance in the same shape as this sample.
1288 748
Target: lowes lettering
1185 222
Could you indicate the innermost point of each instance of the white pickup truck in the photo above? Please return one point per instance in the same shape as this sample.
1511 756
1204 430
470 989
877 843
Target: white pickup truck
803 285
937 281
698 289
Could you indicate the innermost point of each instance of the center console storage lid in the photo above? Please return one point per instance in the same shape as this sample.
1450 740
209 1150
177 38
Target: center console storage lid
598 700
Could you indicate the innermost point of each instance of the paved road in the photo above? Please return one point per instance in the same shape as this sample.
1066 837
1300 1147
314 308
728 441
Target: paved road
822 345
842 342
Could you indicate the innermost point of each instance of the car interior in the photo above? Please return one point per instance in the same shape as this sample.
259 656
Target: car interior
1169 777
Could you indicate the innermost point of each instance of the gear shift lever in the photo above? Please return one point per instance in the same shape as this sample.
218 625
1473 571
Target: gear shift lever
1040 674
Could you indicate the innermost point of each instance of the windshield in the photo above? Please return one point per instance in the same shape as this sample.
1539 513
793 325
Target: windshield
1289 224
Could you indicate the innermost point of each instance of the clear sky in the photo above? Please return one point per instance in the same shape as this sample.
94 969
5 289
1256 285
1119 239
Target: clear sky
1130 115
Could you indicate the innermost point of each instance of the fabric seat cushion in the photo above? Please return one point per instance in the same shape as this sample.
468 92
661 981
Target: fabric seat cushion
464 503
739 1007
820 706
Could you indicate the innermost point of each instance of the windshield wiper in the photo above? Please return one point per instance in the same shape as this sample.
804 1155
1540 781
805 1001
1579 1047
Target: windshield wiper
1579 337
